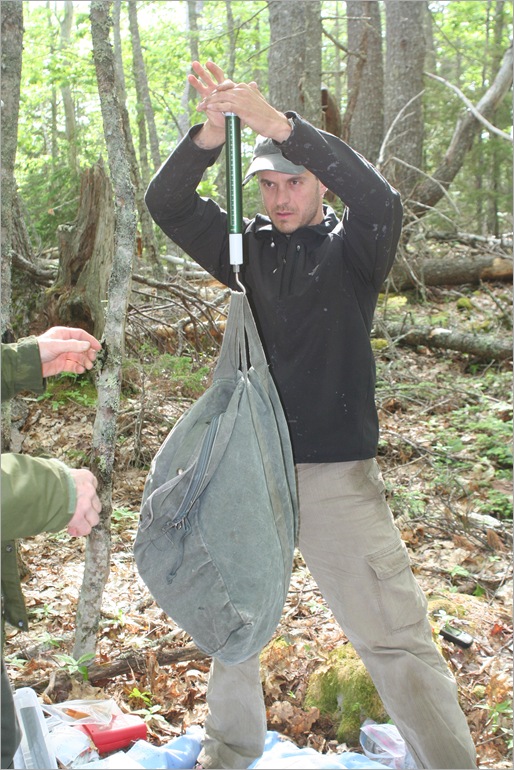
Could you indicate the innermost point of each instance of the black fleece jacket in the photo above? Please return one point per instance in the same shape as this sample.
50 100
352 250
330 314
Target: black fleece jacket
313 294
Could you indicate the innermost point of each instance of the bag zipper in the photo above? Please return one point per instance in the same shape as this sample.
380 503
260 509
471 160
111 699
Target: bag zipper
199 472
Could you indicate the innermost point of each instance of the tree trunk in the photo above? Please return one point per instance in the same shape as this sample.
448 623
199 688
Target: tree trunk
98 546
67 98
363 123
405 56
149 246
294 59
142 85
12 43
192 35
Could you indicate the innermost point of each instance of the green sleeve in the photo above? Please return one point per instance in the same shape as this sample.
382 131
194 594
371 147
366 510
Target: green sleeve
21 368
38 495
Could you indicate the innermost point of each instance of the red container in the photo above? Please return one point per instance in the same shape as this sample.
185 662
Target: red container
122 730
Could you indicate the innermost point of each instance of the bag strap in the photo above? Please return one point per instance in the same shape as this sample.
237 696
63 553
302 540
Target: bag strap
241 345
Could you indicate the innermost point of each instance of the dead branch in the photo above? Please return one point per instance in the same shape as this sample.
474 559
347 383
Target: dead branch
471 107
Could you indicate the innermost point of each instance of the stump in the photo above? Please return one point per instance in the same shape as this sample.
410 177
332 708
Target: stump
86 249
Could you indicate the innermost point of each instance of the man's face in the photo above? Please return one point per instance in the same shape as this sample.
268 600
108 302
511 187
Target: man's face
292 200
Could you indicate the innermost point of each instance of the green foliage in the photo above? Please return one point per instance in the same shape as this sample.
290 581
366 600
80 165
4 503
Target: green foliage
470 442
465 52
73 666
467 55
70 387
189 379
122 516
500 719
136 695
47 182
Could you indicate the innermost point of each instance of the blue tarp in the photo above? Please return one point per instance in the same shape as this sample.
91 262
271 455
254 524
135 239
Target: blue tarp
182 752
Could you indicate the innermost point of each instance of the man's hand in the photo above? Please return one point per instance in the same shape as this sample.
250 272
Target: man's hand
88 505
244 99
63 349
205 82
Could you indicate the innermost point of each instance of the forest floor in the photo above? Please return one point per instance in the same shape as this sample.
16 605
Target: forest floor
445 455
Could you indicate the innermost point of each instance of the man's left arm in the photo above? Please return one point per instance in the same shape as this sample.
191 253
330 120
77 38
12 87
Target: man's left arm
373 220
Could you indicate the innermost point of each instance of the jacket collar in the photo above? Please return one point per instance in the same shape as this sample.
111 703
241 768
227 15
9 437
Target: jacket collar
262 226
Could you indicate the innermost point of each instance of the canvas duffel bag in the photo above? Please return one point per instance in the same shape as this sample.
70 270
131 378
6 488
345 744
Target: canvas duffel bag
219 515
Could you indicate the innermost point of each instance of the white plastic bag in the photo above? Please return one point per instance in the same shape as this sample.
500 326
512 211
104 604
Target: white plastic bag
384 744
84 712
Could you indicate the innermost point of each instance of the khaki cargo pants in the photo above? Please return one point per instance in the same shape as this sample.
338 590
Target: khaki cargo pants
354 552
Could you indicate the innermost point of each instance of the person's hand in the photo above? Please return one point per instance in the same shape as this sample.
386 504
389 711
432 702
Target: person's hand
88 505
205 82
63 349
220 96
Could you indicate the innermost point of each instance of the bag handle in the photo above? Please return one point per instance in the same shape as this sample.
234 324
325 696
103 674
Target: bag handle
241 345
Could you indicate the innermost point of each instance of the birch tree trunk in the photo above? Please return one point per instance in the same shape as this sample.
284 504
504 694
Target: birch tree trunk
98 548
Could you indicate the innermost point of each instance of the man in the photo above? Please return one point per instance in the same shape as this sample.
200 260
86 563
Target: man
313 282
38 494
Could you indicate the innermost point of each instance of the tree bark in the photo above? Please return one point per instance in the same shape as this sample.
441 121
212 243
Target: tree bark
192 35
363 122
67 97
142 85
405 56
294 59
12 44
98 546
149 245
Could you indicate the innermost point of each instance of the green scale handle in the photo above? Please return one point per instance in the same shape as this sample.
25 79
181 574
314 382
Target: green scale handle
234 189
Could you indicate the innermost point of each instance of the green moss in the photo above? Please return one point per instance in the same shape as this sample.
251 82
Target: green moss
378 344
343 690
441 605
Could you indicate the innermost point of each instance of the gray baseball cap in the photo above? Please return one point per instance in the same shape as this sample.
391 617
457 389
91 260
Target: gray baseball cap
267 157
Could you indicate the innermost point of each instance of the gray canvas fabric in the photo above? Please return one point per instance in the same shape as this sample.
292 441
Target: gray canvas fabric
219 513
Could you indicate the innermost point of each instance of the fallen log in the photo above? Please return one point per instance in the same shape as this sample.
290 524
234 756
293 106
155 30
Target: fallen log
457 269
483 347
125 664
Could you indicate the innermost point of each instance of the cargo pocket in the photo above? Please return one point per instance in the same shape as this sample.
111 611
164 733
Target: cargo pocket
402 601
